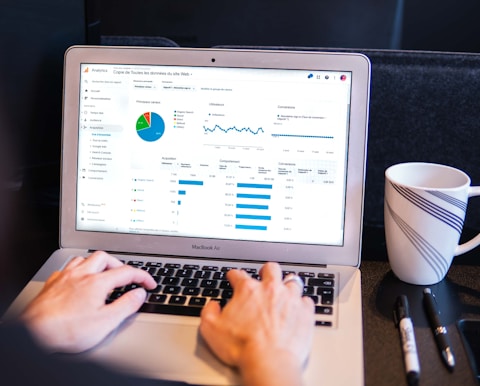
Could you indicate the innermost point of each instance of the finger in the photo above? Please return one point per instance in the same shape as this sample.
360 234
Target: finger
235 276
308 304
210 312
211 330
208 319
100 261
126 305
271 272
74 262
53 276
125 274
294 283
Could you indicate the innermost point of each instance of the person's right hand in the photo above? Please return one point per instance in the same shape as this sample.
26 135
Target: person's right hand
265 330
70 313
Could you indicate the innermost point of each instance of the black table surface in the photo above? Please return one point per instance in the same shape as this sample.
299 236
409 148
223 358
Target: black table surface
458 297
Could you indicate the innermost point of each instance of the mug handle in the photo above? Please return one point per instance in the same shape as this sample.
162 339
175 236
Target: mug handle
469 245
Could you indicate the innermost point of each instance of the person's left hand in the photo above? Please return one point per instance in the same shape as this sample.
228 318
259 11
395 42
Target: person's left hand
70 313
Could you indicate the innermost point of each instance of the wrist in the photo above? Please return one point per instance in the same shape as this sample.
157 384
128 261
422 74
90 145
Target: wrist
270 366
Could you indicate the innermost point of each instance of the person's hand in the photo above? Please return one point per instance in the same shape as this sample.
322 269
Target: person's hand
265 330
70 314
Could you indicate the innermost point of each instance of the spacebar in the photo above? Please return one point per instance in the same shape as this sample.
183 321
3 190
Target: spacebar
170 309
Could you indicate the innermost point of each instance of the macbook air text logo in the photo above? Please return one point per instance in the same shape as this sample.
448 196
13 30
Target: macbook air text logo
206 247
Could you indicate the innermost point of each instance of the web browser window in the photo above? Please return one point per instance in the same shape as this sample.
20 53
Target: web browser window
232 153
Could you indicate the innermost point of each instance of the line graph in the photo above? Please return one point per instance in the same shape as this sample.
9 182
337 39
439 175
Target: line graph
234 129
303 136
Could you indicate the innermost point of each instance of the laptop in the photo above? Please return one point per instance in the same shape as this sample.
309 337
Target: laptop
189 162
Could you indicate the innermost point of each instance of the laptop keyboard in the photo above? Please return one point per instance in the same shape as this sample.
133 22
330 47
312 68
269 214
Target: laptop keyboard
183 289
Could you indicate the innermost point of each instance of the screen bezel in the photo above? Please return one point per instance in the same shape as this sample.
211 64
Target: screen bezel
347 254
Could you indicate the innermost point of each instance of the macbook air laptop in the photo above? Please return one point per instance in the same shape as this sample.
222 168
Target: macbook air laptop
190 162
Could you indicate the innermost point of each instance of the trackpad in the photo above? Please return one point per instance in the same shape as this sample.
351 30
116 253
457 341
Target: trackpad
164 347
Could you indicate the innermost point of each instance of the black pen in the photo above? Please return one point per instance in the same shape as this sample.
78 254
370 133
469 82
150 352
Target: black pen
439 330
402 319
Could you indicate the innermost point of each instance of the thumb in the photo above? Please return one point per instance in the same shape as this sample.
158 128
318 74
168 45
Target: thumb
209 318
126 305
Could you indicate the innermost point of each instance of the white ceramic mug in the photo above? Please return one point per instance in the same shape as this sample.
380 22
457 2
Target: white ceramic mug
424 211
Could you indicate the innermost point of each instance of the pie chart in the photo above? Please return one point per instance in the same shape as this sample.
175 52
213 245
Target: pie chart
150 126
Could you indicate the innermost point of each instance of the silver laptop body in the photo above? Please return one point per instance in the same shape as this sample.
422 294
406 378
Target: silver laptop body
216 157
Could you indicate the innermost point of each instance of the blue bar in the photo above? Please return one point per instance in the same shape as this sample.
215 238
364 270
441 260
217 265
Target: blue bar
251 206
179 202
261 196
253 217
255 186
182 192
251 227
190 182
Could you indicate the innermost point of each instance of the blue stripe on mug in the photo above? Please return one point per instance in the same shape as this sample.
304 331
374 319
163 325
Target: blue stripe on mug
429 207
428 252
451 200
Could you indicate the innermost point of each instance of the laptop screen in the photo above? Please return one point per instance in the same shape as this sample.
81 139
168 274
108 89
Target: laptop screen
213 152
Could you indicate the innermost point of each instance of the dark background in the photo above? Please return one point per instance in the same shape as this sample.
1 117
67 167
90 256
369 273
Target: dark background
35 34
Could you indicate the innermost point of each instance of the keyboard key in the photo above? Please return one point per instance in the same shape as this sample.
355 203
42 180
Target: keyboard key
155 290
308 290
323 310
154 298
210 268
193 267
177 299
135 263
211 292
154 264
327 295
203 274
150 270
190 282
222 302
172 289
306 274
323 323
225 284
184 273
219 275
170 309
326 275
207 283
171 280
199 302
321 282
165 271
192 291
